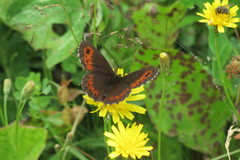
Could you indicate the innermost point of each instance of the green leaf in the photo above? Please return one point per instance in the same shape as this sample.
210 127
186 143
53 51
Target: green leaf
35 20
69 65
42 101
193 109
224 48
20 82
31 142
159 27
46 87
66 45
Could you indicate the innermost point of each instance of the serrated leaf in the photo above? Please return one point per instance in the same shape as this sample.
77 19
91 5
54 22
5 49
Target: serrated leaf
31 142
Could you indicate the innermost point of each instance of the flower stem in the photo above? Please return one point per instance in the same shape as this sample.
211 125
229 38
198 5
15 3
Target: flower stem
232 107
19 111
164 76
94 24
5 109
237 99
68 141
1 115
69 23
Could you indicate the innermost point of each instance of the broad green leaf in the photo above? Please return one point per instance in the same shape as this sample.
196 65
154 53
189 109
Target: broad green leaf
35 20
31 142
193 110
159 27
187 3
224 48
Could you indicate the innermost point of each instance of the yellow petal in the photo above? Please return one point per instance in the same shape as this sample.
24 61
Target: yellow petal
95 110
135 108
136 97
103 112
114 154
220 29
233 9
203 21
200 14
115 117
225 2
231 25
207 5
120 71
137 90
235 20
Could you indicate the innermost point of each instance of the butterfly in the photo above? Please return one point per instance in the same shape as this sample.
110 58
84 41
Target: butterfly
101 83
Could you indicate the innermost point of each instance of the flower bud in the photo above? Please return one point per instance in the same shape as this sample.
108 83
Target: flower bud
57 147
70 137
27 90
164 61
7 86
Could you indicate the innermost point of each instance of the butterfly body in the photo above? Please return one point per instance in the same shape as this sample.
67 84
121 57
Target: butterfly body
102 83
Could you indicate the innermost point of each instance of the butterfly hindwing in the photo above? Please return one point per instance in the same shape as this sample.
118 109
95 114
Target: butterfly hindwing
119 92
94 84
92 59
122 88
140 77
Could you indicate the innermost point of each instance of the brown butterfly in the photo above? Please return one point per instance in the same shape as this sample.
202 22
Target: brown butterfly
102 83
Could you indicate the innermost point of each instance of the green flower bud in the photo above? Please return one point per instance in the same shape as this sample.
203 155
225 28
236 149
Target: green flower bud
27 90
7 86
164 61
70 137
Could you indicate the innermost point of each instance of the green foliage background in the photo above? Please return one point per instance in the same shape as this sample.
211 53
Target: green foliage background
36 43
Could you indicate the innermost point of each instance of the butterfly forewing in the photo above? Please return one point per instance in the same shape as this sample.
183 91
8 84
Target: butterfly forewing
92 59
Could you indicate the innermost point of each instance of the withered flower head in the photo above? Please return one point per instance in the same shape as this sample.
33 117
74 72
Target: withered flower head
234 67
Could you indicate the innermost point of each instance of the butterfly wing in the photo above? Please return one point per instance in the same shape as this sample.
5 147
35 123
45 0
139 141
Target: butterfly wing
117 93
122 88
92 59
94 84
141 77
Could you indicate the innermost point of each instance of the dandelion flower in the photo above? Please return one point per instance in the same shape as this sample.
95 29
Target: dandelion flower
219 14
122 109
128 141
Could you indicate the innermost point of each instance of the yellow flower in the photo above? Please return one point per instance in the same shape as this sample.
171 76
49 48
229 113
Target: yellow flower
220 14
122 109
128 141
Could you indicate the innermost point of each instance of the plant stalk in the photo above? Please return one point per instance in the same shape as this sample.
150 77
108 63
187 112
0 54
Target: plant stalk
69 23
5 109
232 107
164 76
